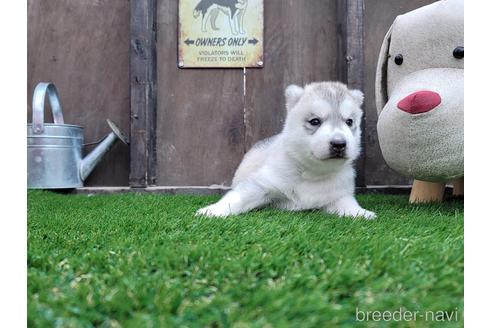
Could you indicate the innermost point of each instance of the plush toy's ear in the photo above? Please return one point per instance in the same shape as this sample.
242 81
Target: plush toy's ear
292 95
358 96
381 73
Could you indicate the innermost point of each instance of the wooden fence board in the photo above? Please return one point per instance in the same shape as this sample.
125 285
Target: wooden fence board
300 47
143 93
199 114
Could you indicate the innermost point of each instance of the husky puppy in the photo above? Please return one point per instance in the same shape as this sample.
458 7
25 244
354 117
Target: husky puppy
309 164
233 9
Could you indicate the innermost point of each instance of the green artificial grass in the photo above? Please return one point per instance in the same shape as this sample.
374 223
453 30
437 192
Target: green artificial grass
136 260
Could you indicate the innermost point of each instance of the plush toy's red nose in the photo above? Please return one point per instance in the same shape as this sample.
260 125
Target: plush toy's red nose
419 102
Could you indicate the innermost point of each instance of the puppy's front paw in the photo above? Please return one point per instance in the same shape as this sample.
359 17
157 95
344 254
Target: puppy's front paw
356 213
360 213
368 215
214 210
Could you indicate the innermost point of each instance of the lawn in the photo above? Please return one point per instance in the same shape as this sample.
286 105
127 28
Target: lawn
142 260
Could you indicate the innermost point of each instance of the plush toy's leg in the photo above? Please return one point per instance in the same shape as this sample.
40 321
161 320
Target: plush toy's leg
459 187
423 192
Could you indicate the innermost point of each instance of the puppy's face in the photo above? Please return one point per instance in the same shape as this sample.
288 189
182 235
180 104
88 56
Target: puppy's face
323 122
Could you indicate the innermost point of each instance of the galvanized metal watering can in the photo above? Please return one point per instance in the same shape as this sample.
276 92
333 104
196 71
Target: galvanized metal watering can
54 150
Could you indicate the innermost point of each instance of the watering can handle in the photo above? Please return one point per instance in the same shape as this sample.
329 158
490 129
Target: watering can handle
38 106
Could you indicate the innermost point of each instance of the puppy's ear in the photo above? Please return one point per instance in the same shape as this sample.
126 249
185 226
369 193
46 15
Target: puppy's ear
357 95
292 95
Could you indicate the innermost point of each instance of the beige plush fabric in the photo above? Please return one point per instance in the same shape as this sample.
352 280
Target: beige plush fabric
426 146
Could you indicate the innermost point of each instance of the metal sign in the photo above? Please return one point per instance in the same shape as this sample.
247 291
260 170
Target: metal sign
220 33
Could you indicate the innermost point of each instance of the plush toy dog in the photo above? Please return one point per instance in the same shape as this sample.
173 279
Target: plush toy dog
419 98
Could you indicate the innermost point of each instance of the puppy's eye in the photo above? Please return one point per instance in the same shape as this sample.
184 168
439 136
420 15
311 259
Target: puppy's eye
349 122
315 122
399 59
459 52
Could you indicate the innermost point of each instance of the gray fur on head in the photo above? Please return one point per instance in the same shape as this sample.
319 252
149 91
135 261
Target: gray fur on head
292 95
358 96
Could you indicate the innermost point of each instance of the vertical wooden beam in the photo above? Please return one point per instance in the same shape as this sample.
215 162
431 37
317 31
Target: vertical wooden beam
350 15
142 93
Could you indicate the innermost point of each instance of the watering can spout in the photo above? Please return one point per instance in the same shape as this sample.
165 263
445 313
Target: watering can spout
90 161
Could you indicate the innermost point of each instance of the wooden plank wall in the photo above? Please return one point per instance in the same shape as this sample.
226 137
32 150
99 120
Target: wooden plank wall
208 118
350 20
199 114
300 47
82 47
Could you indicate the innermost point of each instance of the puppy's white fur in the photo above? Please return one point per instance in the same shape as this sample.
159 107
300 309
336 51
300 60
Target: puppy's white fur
298 169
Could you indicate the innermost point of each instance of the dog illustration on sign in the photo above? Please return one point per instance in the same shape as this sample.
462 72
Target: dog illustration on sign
233 9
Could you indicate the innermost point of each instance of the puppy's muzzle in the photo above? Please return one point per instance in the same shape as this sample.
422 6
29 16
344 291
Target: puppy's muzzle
338 147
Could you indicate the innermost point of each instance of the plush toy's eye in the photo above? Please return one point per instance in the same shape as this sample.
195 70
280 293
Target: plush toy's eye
399 59
349 122
459 52
315 122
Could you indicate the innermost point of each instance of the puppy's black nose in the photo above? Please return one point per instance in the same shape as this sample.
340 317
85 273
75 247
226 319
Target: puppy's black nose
338 145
